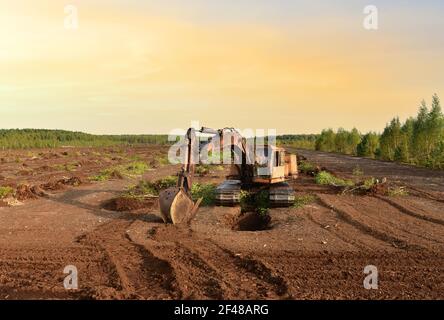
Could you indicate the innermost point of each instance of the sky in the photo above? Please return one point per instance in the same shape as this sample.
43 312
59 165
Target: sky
145 66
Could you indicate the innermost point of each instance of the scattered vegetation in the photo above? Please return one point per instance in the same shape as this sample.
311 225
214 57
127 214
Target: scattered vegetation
357 172
397 192
326 178
301 201
136 168
147 188
162 160
67 167
132 169
205 191
306 167
5 192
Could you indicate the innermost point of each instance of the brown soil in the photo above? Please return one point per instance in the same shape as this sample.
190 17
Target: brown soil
318 251
124 204
250 221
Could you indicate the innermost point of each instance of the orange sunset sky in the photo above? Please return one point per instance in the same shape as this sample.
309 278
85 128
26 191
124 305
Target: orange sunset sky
151 66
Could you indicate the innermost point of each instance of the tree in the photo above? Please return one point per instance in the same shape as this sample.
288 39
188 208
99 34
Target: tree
326 141
369 145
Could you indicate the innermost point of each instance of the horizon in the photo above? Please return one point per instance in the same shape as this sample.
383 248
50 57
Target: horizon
144 67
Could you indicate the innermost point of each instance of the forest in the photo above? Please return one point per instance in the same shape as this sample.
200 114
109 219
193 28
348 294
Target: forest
418 140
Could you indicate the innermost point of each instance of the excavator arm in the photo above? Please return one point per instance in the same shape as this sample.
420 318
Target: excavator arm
176 204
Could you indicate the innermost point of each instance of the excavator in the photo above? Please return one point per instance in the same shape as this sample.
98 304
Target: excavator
253 169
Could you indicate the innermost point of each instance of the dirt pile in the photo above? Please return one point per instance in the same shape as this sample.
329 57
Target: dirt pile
61 184
115 174
125 204
26 192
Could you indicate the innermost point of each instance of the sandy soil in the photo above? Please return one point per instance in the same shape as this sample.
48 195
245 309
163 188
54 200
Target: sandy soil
318 251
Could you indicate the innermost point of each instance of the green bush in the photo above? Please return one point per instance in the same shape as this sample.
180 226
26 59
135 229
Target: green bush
5 191
148 188
397 192
205 191
136 168
326 178
306 167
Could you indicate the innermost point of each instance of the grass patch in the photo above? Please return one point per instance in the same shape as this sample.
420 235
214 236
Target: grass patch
369 183
162 160
132 169
358 172
326 178
106 174
301 201
205 191
67 167
136 168
306 167
5 191
397 192
148 188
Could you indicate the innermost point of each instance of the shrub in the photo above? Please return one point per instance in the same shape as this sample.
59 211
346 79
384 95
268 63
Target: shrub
148 188
397 192
136 168
5 191
306 167
326 178
357 171
205 191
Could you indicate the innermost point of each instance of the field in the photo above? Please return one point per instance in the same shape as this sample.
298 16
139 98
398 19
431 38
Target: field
316 250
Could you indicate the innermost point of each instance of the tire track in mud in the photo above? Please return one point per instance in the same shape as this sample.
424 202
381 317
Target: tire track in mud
133 271
410 212
38 272
202 265
388 223
425 194
346 231
364 228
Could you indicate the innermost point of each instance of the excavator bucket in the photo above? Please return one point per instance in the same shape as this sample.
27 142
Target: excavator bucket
176 206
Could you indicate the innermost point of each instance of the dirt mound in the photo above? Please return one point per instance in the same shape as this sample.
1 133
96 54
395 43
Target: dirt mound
251 221
44 168
73 181
60 184
24 173
123 204
25 192
381 189
115 174
2 177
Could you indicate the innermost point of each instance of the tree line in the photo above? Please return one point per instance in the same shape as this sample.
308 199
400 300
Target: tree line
42 138
419 140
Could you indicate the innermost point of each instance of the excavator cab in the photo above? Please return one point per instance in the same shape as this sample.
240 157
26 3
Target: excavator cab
275 167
